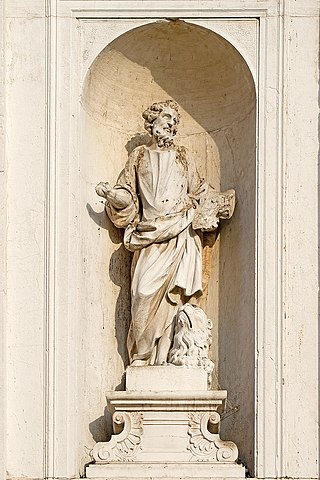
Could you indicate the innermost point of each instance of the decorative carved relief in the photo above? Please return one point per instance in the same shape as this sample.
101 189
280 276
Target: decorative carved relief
205 443
123 446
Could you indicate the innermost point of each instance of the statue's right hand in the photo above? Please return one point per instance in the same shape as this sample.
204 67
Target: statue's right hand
102 189
117 197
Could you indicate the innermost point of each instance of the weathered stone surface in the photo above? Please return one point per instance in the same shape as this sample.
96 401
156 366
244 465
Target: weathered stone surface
165 378
166 432
162 203
70 71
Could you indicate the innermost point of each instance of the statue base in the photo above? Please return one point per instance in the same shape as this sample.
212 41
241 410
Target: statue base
161 433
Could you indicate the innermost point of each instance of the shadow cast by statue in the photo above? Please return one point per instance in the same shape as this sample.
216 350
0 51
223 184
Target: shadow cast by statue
101 427
136 141
119 271
102 220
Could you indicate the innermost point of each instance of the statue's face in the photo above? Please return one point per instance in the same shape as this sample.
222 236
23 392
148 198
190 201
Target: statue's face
164 126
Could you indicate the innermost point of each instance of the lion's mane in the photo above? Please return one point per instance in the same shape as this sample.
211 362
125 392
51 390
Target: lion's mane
192 338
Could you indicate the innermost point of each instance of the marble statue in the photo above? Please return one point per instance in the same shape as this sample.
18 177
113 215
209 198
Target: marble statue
161 202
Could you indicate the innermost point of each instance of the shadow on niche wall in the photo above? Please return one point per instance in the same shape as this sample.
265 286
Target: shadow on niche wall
101 428
137 140
237 288
119 271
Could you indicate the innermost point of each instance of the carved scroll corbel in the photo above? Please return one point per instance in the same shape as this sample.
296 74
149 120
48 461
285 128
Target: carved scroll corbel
205 443
125 444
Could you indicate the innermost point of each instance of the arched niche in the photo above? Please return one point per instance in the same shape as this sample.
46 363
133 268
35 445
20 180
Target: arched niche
213 85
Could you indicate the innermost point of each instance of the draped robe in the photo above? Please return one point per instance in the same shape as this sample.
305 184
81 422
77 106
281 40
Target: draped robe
165 188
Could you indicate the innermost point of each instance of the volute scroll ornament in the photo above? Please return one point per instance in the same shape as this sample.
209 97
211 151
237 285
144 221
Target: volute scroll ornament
205 445
125 444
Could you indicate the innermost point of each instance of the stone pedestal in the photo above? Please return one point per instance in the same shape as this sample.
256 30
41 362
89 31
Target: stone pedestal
162 433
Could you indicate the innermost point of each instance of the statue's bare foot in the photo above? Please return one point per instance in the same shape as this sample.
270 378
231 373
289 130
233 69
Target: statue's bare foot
139 363
161 363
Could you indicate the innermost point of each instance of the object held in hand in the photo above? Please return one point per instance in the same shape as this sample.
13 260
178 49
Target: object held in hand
212 207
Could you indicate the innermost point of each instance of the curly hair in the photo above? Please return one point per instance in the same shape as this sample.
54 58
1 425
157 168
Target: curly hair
152 112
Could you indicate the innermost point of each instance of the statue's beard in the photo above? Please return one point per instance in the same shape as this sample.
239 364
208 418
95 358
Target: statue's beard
164 138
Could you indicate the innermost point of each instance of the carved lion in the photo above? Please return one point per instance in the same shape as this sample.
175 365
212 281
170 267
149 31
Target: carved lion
192 338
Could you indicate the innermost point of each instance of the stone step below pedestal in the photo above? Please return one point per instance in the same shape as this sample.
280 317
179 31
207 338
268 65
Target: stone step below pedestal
168 471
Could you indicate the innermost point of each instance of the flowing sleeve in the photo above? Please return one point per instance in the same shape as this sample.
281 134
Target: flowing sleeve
197 186
122 217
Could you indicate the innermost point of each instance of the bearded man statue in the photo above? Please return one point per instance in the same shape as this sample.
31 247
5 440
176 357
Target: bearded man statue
155 200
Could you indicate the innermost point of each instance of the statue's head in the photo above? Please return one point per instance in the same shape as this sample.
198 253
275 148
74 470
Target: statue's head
161 121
